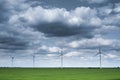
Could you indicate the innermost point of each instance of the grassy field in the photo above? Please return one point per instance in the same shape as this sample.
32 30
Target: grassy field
58 74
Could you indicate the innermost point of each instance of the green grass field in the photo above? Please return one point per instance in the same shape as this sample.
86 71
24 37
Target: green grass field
58 74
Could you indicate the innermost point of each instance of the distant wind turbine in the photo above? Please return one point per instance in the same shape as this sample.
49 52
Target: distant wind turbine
100 57
61 58
33 60
12 61
33 56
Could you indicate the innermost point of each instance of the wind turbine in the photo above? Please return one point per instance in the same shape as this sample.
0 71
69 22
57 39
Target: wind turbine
61 58
33 56
33 60
12 61
100 57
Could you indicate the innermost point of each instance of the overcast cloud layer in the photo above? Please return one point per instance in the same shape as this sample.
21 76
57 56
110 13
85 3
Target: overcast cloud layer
45 27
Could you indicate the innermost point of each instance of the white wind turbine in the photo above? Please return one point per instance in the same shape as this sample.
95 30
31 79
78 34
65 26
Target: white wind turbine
100 57
61 58
12 61
33 60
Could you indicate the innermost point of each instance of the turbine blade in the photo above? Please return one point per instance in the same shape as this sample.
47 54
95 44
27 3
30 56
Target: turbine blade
96 54
104 54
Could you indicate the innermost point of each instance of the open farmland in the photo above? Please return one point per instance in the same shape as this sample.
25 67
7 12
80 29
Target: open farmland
58 74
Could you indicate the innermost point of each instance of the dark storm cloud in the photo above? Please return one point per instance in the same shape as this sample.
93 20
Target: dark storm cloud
3 11
62 30
11 35
72 3
63 3
59 3
12 43
59 22
10 39
76 3
9 8
113 1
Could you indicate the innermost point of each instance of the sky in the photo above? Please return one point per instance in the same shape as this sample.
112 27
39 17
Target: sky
47 28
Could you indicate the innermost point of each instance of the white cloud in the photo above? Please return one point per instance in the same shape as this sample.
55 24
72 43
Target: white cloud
50 49
111 56
39 14
112 20
74 44
54 49
72 54
117 7
16 5
43 47
95 21
105 11
51 55
78 16
109 27
94 42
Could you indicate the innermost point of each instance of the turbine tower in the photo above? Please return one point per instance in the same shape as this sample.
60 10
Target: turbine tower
61 58
33 60
33 56
12 61
100 57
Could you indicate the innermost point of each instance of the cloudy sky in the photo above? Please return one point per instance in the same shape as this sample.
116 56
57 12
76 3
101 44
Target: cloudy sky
44 28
